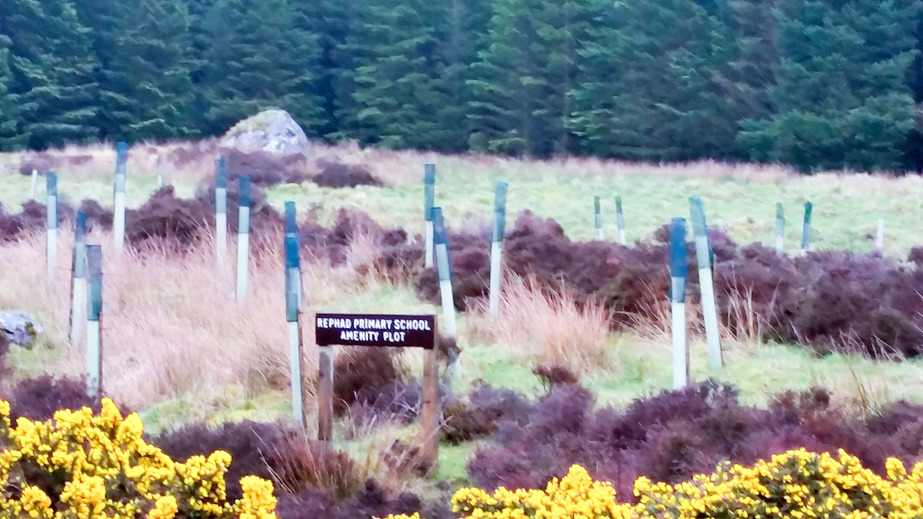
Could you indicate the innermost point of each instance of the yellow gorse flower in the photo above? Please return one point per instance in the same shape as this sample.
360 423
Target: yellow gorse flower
797 484
102 453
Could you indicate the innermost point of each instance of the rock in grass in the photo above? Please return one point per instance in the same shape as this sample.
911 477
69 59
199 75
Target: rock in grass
272 131
18 327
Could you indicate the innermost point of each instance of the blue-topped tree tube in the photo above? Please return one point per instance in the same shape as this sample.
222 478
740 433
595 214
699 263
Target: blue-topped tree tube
78 279
780 227
221 211
429 198
806 227
496 246
94 316
599 218
620 221
118 216
678 268
243 236
706 283
293 311
51 224
444 270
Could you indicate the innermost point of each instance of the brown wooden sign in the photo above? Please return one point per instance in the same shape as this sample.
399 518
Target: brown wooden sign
375 330
379 330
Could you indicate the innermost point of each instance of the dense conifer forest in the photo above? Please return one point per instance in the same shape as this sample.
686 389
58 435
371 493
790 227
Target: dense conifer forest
817 84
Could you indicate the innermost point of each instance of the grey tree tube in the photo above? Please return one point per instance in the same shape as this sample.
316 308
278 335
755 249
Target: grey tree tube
620 221
94 317
243 236
780 227
118 217
34 181
221 211
429 198
51 224
496 246
79 280
706 282
678 271
806 227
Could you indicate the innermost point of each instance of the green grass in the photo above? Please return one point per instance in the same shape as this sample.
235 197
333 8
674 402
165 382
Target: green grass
846 210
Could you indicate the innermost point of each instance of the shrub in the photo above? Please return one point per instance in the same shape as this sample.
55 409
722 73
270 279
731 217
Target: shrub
264 168
679 433
796 483
250 445
164 220
85 465
39 398
337 174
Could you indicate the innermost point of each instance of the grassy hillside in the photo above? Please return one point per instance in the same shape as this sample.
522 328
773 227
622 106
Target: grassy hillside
178 349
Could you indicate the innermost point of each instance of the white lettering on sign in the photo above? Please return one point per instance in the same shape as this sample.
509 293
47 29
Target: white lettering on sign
328 322
373 324
411 324
355 335
394 336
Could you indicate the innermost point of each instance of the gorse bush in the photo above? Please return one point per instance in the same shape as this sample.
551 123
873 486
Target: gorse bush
796 483
674 435
80 465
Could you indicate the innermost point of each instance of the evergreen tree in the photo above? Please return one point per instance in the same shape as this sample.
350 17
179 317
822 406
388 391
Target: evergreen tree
396 86
522 79
146 85
9 113
51 64
257 58
652 83
840 98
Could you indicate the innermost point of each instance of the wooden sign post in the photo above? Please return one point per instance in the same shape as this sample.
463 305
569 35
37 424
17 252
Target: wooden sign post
293 312
429 198
496 246
599 218
94 318
806 227
78 280
221 211
620 221
706 283
780 227
51 224
118 217
379 330
243 236
678 268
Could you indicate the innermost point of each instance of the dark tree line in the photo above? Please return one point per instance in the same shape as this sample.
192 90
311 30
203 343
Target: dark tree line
813 83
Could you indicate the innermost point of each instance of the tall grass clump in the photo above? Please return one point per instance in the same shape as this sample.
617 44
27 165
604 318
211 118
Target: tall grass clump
546 327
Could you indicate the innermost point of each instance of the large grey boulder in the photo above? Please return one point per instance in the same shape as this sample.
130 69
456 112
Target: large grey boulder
18 327
273 131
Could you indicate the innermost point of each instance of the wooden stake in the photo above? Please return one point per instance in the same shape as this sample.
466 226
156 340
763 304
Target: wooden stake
430 415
